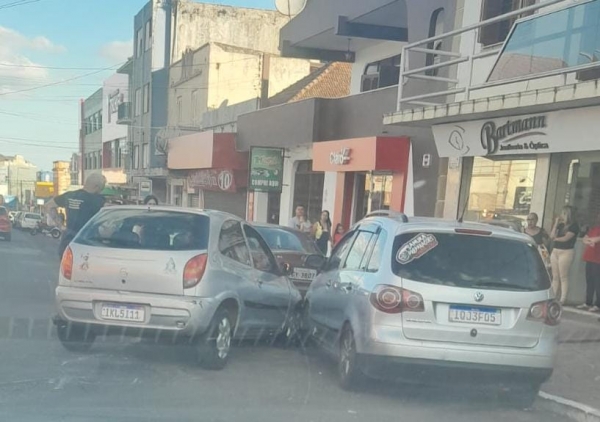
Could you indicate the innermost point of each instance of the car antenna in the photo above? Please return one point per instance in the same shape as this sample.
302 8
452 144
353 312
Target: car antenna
464 210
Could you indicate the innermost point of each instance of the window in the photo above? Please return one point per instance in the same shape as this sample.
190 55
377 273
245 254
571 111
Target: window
357 252
467 261
158 230
232 243
497 32
146 98
381 74
140 42
436 27
138 102
148 34
261 257
179 109
557 40
145 156
195 114
339 252
377 253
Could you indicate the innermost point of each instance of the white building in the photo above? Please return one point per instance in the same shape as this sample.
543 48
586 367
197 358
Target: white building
115 92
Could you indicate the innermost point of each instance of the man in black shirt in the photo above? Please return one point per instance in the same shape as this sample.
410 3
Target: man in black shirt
80 205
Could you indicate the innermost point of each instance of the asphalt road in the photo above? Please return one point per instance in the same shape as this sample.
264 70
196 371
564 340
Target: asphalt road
125 380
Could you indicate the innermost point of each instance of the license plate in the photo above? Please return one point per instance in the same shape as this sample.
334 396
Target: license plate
116 312
475 315
304 274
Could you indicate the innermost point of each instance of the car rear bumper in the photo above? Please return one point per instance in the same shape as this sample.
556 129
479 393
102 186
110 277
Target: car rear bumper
442 372
189 316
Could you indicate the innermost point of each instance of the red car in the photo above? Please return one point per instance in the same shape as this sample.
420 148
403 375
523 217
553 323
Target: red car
293 247
5 224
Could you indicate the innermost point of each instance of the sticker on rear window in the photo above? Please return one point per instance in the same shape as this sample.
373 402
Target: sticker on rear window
416 247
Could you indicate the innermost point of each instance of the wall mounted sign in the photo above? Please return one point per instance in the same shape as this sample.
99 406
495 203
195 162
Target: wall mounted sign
266 169
212 180
340 158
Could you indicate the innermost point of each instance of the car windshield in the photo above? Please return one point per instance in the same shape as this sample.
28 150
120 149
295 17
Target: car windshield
146 230
469 261
33 216
284 240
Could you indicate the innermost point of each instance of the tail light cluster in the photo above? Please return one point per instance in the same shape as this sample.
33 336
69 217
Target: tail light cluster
395 300
548 312
66 265
194 271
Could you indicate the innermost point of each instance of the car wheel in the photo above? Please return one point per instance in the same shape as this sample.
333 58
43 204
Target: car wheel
74 337
349 373
214 347
55 233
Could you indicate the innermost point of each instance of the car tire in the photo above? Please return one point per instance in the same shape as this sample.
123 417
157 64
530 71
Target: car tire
55 233
349 374
75 337
214 347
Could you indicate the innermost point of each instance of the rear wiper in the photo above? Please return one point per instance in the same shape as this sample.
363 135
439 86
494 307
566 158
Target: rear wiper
506 285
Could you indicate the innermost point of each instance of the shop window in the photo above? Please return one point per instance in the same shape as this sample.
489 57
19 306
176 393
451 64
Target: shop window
500 191
436 27
373 193
381 74
497 32
308 190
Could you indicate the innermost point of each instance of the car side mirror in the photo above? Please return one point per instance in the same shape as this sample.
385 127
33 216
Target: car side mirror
286 269
316 262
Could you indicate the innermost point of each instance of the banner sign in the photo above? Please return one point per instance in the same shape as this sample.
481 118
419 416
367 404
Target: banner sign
213 180
266 169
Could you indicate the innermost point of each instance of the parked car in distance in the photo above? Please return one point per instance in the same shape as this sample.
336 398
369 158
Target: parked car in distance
204 277
5 225
433 301
29 220
293 247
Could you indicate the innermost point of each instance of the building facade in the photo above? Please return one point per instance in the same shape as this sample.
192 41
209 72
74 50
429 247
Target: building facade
17 179
115 92
163 32
516 119
91 146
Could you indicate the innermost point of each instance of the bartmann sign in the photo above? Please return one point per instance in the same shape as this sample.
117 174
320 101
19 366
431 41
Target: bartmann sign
559 131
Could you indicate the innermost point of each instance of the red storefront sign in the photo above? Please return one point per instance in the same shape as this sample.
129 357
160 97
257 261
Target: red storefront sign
219 180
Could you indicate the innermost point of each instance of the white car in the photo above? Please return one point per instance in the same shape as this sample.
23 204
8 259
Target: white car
462 305
30 220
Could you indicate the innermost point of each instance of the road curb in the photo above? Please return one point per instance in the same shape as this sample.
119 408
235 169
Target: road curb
594 315
573 410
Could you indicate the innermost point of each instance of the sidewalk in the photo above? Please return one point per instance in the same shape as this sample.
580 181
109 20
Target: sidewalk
577 373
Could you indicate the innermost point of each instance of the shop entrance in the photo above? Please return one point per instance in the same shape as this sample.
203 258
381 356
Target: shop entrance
308 190
372 192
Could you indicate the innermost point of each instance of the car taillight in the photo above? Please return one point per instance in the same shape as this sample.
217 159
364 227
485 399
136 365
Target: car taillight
548 311
395 300
194 270
66 265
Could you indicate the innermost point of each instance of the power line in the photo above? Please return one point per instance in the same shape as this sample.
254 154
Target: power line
17 3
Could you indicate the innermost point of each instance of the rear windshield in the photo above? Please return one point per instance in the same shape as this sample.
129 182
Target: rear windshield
33 216
284 240
469 261
146 230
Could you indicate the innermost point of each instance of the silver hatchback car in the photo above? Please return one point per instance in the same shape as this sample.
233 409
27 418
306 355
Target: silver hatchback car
200 276
436 301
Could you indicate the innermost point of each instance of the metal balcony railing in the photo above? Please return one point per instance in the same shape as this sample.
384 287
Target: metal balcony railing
463 86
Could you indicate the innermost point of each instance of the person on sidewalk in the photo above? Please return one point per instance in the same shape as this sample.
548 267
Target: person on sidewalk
321 231
539 236
591 256
299 221
339 233
564 235
81 205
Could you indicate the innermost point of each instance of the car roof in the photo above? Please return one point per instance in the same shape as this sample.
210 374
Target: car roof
209 213
414 224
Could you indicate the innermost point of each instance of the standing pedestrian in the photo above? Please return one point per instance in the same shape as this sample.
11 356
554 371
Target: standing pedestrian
321 231
339 233
81 205
564 235
539 236
591 256
151 200
299 221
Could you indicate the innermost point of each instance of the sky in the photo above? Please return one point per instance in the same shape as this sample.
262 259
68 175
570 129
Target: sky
54 53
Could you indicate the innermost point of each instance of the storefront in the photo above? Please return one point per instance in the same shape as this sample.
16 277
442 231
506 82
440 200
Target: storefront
370 174
511 166
207 172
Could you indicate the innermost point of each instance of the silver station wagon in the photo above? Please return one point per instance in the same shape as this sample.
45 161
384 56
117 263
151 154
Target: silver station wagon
437 302
203 276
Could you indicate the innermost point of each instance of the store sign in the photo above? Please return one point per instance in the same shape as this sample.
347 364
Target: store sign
145 188
212 180
568 130
340 158
266 169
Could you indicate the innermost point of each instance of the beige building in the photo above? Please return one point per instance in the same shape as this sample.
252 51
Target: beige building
62 176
